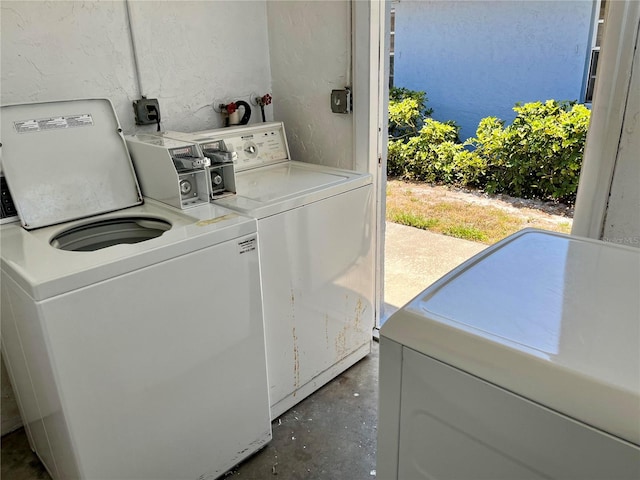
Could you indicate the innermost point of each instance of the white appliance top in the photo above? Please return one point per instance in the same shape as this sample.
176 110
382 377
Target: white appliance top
66 160
44 271
273 189
553 318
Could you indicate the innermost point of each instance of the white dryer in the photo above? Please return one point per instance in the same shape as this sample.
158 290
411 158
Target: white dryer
522 363
316 232
132 332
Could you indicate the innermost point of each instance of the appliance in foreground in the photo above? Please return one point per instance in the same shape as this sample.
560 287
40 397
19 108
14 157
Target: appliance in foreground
523 362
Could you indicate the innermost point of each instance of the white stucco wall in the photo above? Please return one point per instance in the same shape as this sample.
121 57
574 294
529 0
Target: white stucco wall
309 46
189 53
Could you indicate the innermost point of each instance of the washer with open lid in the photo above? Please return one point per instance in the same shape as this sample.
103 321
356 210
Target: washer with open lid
108 332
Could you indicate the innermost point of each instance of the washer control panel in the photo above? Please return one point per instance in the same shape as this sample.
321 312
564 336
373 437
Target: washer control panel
248 147
258 148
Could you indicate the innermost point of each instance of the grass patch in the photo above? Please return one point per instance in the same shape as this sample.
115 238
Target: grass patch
466 233
412 219
456 218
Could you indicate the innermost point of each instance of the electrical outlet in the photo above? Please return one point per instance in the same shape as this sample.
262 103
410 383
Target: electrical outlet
341 101
147 111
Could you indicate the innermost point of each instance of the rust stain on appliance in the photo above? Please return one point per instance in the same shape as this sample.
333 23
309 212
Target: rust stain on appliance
296 362
326 329
341 342
351 329
359 312
211 221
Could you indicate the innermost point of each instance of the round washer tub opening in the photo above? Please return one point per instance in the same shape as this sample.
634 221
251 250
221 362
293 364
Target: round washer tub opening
106 233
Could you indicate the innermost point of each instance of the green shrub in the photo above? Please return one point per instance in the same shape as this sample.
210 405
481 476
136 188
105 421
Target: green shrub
430 155
395 158
407 111
470 169
539 154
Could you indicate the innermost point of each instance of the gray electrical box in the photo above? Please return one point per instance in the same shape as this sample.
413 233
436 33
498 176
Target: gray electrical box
341 101
147 111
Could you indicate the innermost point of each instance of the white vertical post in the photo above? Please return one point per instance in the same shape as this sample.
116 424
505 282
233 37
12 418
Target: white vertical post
370 92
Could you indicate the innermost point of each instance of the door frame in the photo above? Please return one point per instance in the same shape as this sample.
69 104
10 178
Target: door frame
371 93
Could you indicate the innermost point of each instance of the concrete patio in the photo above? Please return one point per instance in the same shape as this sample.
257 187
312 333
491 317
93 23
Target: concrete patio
415 258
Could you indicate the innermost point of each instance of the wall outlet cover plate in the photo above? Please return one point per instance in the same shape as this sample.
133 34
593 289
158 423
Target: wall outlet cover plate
341 101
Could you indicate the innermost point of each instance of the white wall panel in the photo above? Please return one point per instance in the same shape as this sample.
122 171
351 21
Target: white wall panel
189 53
309 44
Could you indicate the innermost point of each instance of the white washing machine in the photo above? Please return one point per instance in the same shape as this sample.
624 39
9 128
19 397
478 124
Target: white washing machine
133 335
316 253
522 363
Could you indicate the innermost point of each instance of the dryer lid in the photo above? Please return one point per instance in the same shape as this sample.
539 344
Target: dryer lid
66 160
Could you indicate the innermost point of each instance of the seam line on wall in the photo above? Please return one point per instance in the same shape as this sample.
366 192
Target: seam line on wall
134 50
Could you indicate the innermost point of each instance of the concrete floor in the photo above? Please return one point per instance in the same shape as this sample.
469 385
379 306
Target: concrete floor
329 435
415 258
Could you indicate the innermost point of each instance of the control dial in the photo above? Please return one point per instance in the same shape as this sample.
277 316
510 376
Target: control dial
251 149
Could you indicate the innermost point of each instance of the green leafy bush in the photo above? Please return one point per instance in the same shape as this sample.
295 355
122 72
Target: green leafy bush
539 154
419 147
428 156
407 111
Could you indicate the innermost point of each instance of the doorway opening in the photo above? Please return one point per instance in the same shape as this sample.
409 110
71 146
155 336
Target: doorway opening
476 61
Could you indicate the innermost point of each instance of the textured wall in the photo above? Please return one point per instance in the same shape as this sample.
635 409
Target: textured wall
216 50
190 53
309 45
478 58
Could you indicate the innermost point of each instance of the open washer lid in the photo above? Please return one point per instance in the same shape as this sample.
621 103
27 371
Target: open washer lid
66 160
